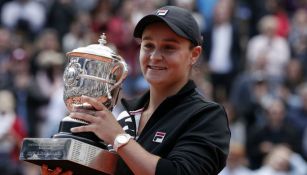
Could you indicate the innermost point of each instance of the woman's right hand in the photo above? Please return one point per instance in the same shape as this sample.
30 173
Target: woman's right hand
57 171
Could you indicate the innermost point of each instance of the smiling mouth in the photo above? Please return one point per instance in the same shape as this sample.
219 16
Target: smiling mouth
156 67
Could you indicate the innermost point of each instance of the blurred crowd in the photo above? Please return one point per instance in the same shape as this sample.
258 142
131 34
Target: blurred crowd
254 63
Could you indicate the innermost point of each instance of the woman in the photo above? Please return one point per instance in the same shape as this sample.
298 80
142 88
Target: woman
170 129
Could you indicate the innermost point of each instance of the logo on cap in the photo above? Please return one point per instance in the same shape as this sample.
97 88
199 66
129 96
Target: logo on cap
161 12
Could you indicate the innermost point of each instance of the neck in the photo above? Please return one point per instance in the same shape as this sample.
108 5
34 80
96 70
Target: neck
159 94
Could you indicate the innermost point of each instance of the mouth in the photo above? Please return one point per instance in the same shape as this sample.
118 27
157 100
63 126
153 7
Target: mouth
156 67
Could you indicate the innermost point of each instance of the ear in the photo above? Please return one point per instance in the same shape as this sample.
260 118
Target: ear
196 51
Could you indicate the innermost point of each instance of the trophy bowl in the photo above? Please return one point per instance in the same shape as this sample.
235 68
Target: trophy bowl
95 71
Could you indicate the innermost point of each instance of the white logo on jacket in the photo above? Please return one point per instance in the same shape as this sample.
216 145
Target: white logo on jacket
159 136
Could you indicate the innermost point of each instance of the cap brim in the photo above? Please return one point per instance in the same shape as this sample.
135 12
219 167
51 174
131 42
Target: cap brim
149 19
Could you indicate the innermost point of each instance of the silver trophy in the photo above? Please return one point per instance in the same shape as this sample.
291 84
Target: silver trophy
95 71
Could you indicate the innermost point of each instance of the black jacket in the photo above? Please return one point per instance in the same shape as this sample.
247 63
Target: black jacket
190 135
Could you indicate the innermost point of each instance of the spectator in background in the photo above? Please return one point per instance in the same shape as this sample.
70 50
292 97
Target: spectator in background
19 69
298 114
236 125
48 40
5 53
50 81
101 15
237 161
276 130
249 95
282 161
222 49
294 77
276 8
26 16
28 95
79 33
268 51
298 37
11 135
60 16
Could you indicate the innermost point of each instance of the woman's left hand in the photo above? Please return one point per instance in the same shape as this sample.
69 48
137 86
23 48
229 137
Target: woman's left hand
101 121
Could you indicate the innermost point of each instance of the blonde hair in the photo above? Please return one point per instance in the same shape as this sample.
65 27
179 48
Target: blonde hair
267 23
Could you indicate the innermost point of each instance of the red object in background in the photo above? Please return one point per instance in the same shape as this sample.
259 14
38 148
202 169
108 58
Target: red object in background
18 132
283 24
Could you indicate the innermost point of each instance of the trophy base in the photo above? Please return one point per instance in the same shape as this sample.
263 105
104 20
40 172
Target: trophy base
69 154
82 139
87 137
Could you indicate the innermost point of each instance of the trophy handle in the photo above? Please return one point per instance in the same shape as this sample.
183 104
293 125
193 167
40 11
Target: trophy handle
124 68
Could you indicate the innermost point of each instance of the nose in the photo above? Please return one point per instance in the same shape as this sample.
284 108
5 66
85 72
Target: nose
156 55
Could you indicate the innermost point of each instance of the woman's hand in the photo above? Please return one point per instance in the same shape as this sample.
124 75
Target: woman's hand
57 171
101 121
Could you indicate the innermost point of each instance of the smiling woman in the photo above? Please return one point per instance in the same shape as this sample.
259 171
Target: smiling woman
171 129
166 59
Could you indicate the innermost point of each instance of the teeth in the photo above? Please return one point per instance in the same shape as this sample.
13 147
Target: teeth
156 67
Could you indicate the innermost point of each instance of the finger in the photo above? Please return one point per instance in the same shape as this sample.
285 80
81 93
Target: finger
86 128
82 116
57 171
90 112
82 107
82 110
96 104
44 169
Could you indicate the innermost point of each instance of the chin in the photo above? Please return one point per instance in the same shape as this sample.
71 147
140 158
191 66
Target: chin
154 81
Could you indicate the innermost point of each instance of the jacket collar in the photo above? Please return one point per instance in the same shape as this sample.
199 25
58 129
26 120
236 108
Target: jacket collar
142 101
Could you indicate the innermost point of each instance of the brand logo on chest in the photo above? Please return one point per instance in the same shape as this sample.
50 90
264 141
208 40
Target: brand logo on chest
159 136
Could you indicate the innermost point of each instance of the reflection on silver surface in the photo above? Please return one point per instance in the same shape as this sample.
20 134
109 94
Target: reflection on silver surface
94 71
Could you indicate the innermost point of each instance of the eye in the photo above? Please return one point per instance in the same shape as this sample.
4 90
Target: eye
148 46
169 48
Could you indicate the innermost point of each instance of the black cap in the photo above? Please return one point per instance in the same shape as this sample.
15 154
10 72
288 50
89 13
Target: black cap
178 19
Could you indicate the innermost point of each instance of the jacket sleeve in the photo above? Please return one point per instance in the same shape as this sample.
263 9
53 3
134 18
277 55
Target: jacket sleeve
203 147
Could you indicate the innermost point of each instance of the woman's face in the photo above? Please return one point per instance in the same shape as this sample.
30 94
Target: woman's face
166 58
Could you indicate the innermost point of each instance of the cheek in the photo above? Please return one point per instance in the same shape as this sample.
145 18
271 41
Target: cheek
142 59
183 62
